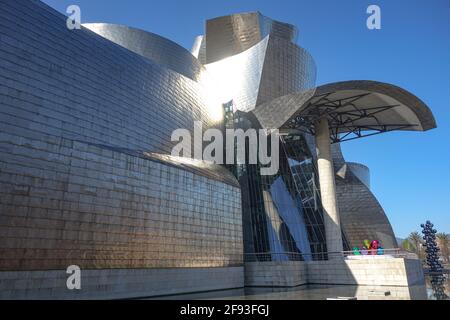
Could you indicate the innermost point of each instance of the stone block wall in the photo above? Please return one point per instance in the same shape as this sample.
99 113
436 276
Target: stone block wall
276 273
365 272
118 283
382 272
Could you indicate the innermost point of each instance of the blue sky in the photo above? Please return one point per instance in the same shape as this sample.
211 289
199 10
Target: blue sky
409 170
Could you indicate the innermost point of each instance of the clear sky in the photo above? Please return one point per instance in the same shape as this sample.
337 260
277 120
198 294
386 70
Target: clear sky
410 171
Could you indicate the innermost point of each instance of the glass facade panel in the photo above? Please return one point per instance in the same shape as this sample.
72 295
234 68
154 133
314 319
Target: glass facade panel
282 214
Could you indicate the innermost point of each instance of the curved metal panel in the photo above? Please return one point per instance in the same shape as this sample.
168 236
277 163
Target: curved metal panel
230 35
201 168
361 171
362 216
152 46
275 113
198 167
140 211
72 105
408 102
351 107
277 29
238 78
96 91
271 68
288 68
198 49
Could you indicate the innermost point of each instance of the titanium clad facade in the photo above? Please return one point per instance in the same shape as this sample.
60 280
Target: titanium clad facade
353 109
362 216
101 208
239 76
258 56
78 85
287 68
152 46
198 49
230 35
361 172
86 175
79 115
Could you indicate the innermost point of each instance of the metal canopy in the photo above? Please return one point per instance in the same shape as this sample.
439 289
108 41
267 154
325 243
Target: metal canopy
346 119
354 109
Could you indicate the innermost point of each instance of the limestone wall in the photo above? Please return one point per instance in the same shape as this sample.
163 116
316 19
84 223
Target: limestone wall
365 272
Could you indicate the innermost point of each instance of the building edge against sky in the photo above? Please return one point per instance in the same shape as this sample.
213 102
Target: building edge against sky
86 178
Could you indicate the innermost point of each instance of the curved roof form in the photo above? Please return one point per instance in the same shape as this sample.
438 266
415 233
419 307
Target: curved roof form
239 76
232 34
151 46
254 59
354 109
361 171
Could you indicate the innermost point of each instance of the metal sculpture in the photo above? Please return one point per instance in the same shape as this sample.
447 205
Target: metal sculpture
436 270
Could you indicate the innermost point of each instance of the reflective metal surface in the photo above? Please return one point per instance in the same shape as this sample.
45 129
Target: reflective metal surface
255 59
84 126
361 171
152 46
352 108
239 76
288 68
230 35
85 173
78 85
362 216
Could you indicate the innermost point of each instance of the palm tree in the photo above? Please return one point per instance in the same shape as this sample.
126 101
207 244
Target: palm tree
416 240
406 245
443 240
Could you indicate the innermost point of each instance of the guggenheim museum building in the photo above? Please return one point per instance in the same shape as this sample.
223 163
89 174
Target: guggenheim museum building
86 173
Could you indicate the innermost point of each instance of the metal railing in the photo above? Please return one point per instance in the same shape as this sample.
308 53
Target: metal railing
283 256
296 256
393 252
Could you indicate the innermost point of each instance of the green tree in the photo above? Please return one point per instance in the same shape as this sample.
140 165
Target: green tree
407 245
443 241
416 240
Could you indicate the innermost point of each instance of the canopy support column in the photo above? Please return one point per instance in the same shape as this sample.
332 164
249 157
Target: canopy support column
328 189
